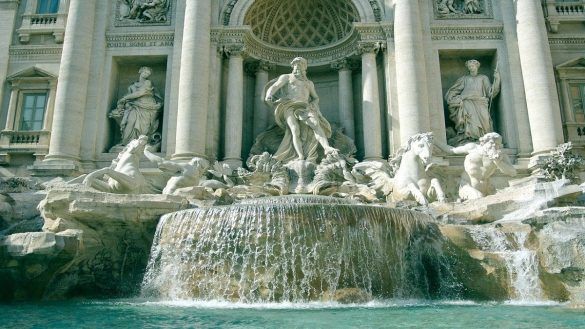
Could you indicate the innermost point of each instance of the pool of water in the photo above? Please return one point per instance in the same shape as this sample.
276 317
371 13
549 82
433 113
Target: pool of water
191 314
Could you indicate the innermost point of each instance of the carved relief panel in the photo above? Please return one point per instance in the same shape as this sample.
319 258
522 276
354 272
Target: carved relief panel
462 9
143 12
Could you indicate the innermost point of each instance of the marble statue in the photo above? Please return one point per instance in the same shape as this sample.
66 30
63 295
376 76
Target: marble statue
472 7
184 174
123 176
405 176
296 110
145 10
482 160
469 101
138 111
446 7
267 173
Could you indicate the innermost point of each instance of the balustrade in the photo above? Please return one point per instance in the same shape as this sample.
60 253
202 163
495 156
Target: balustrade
558 12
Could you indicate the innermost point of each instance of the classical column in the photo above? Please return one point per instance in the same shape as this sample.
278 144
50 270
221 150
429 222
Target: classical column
234 107
344 68
8 9
214 116
194 81
371 102
261 111
537 71
70 99
517 123
413 106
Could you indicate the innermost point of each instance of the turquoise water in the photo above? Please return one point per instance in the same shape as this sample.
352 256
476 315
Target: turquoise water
145 314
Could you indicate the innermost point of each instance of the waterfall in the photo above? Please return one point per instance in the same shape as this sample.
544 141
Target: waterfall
296 249
521 263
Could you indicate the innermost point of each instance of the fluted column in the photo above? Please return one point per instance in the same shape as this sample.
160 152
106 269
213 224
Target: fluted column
346 120
234 107
413 106
538 75
261 111
371 102
66 134
194 81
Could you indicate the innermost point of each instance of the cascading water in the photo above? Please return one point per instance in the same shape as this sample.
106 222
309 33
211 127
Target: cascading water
295 249
521 263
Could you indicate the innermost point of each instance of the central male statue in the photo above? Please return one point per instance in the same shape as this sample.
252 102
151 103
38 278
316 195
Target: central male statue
297 112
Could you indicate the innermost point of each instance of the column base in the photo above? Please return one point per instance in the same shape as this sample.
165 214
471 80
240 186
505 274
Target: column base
66 168
187 156
233 163
537 159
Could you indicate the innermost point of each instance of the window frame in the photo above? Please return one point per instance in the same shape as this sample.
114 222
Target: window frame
20 108
47 5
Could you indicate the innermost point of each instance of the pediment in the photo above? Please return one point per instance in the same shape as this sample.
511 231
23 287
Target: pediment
576 63
32 72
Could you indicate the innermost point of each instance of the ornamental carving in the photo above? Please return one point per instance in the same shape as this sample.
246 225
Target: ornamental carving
301 23
227 12
462 9
143 12
495 32
366 33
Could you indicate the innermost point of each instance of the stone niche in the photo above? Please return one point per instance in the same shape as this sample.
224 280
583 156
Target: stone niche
125 72
326 82
452 63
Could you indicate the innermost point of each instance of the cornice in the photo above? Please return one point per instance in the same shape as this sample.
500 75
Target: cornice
568 42
34 53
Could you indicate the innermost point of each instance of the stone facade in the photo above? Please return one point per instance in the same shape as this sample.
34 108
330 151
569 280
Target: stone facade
381 69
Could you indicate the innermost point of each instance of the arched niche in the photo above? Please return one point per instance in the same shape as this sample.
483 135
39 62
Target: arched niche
369 11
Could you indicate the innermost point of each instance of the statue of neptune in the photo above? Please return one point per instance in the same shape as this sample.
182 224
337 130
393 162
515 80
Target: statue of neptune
297 112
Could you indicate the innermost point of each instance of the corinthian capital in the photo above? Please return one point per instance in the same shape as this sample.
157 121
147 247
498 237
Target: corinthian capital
234 50
344 64
370 47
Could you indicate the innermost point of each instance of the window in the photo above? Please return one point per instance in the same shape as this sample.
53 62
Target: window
47 6
33 111
577 94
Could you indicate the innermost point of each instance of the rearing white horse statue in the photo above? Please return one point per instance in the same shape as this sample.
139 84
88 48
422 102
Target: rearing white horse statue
123 175
405 176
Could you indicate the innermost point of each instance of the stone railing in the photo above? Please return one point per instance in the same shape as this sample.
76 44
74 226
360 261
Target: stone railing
558 12
47 19
42 24
19 142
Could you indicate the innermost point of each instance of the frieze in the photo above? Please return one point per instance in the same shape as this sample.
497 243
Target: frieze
140 40
370 32
455 33
35 53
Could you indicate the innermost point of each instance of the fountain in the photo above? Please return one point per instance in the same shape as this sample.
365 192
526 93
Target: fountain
297 249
